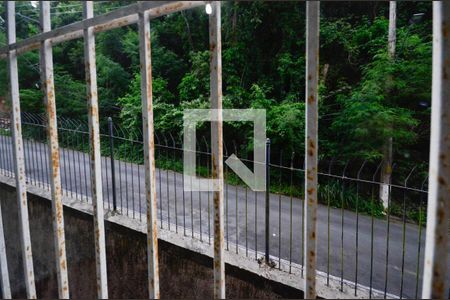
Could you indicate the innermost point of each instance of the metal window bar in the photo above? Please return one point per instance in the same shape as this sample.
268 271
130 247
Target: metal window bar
4 279
19 156
132 17
85 28
311 145
118 18
46 61
95 156
435 284
215 47
149 152
351 181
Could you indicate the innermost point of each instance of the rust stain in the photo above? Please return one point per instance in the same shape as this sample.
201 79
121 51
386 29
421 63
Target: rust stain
438 286
55 159
63 264
59 215
168 8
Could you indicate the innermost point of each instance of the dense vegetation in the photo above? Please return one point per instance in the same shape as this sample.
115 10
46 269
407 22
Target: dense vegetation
263 67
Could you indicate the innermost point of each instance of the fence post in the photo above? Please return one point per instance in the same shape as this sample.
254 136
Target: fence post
113 168
267 200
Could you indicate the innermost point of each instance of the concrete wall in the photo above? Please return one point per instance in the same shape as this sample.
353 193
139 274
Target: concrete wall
183 273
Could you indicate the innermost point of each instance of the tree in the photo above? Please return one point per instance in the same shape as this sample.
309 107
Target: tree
263 66
164 112
379 108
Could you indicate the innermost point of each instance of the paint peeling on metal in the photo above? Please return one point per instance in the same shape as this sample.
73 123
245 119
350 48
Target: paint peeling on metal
118 18
435 283
95 154
46 57
215 47
311 151
19 155
149 153
4 273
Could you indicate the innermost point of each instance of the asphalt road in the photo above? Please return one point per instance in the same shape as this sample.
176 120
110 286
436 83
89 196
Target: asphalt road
347 249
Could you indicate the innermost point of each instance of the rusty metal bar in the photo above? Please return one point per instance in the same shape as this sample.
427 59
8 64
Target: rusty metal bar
19 158
215 48
118 18
149 152
435 284
48 86
94 152
311 144
6 289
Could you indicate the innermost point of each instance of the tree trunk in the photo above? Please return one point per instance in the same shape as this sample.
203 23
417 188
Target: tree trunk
188 30
386 171
234 21
385 176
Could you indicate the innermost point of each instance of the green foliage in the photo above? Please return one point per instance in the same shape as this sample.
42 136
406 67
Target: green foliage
385 102
70 96
195 83
292 75
31 100
131 103
112 80
130 46
365 124
334 194
365 96
286 125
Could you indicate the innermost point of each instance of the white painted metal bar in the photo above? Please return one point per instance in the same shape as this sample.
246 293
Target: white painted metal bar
120 17
435 275
53 144
215 48
6 289
311 145
94 152
19 158
149 153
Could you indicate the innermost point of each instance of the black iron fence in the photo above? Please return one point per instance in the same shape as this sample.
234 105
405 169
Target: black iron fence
359 240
